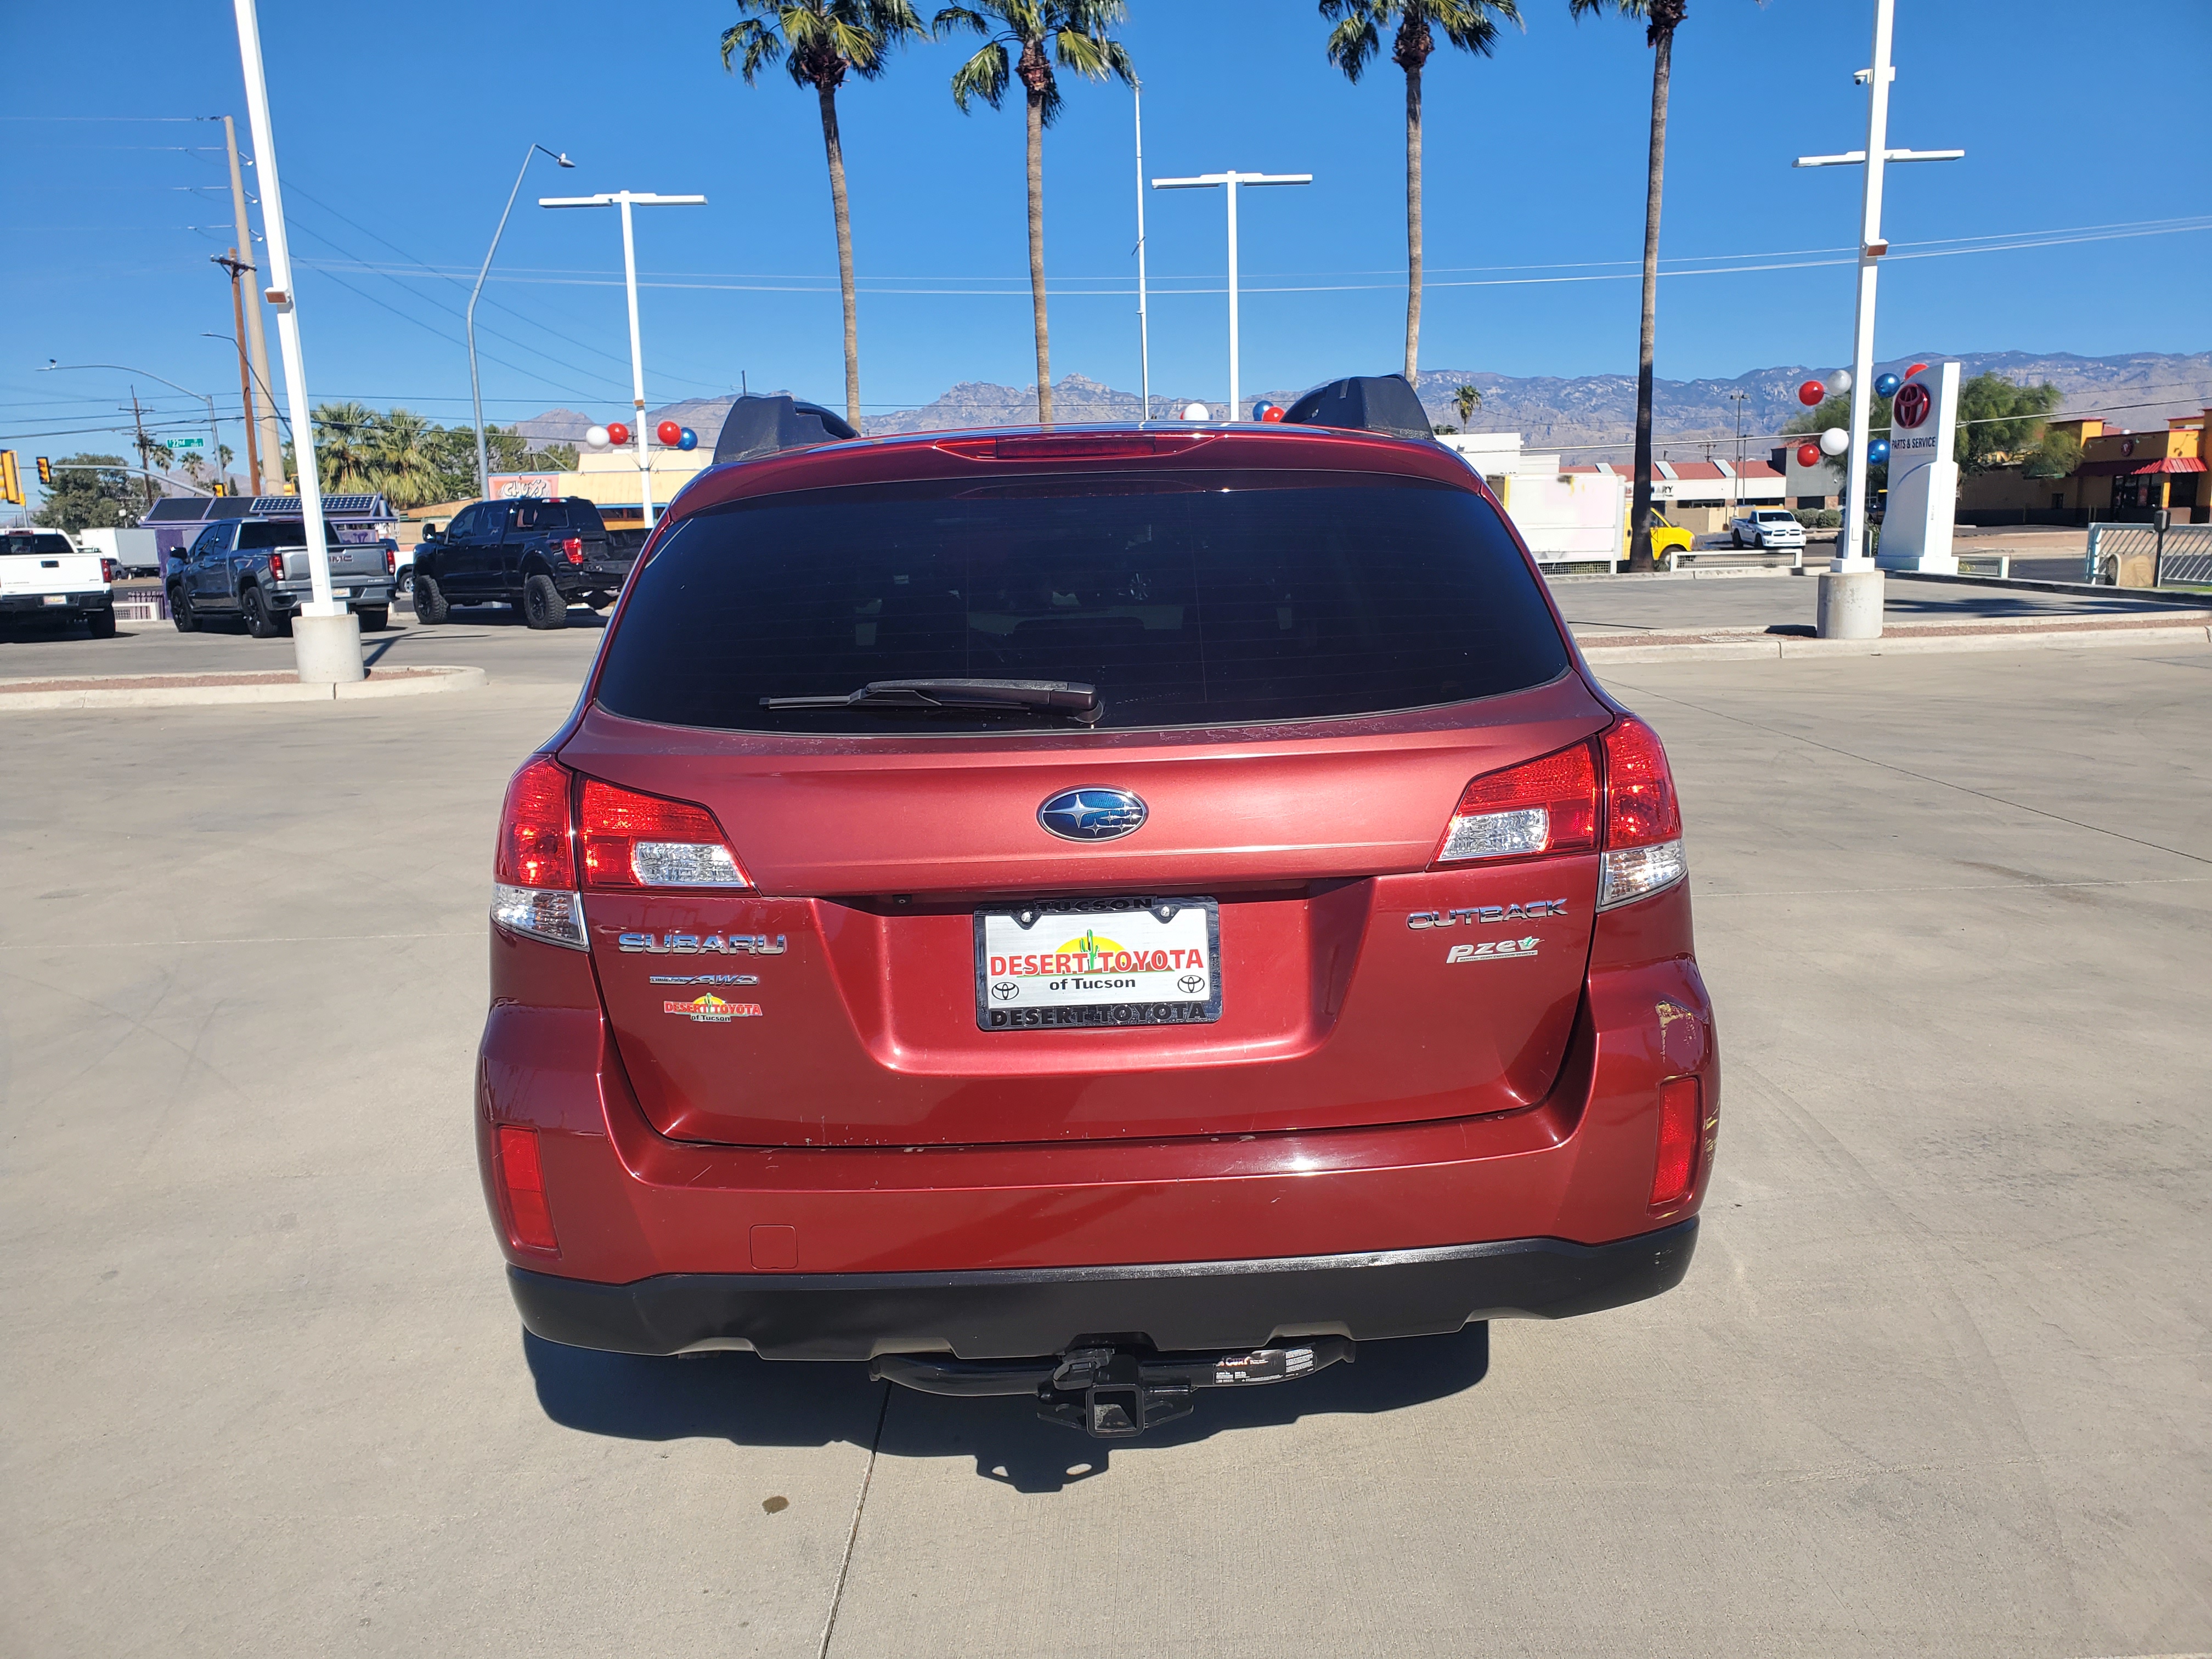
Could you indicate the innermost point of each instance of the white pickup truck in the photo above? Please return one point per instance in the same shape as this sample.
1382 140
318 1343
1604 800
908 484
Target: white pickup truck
42 574
1770 529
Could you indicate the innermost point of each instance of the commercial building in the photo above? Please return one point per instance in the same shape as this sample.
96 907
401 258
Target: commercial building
2125 478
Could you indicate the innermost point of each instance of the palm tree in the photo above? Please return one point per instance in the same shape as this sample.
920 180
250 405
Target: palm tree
1470 25
1661 19
345 453
402 459
819 41
1074 32
1466 398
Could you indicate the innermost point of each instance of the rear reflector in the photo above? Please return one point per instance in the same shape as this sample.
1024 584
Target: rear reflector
524 1182
1540 807
635 840
1677 1169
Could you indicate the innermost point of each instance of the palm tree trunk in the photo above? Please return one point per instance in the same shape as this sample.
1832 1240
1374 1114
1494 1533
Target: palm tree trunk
834 146
1639 548
1036 259
1413 223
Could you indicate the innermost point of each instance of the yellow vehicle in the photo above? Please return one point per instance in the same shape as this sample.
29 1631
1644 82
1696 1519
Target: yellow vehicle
1668 540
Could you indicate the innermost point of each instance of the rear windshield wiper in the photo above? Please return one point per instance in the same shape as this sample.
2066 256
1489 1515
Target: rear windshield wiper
1079 703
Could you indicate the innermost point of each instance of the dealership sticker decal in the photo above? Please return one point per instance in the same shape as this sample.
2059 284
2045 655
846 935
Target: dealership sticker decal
1492 949
707 1009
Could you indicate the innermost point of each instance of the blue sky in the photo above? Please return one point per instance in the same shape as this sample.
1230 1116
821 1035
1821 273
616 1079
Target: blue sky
399 128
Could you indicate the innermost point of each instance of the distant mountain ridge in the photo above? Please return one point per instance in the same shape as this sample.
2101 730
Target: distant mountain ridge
1589 417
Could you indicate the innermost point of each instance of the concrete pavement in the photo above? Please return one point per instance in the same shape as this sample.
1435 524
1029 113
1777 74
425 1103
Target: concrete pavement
1936 1385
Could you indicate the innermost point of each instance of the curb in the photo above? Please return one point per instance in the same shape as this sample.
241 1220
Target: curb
1773 648
2039 585
148 691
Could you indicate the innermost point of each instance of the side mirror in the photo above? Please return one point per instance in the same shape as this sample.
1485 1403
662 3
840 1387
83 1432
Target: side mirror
430 532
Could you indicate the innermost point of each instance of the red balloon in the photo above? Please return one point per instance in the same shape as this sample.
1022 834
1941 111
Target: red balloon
1808 454
1914 370
668 432
1812 393
617 433
1271 413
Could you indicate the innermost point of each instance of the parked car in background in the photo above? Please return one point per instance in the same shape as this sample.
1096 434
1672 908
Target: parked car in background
43 573
1092 915
540 555
1669 541
1770 529
255 569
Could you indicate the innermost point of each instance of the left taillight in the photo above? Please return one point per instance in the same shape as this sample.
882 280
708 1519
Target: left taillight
630 839
534 870
522 1180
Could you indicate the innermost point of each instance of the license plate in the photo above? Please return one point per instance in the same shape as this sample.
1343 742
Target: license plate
1098 963
56 598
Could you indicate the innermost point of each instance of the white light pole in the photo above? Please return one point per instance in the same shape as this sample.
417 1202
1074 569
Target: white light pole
326 634
476 387
1850 547
626 199
1144 326
1231 181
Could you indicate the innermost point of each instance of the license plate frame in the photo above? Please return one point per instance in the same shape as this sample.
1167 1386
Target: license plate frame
1105 1011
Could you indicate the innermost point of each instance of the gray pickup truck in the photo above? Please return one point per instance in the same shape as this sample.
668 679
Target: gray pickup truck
257 569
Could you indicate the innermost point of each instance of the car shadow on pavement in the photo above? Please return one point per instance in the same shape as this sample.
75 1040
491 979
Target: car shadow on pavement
748 1400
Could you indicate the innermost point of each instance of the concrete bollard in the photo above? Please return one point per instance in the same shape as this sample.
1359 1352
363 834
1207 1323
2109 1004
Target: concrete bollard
1850 604
328 648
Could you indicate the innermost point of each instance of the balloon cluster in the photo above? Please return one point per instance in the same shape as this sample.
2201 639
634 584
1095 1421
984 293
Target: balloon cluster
615 435
1264 411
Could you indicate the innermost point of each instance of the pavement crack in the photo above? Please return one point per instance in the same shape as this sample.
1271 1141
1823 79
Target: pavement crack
853 1537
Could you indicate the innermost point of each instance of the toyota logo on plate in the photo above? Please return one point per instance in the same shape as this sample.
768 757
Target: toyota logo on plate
1912 403
1091 814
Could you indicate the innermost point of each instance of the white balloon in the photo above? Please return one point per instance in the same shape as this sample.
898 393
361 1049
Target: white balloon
1197 412
596 437
1838 383
1835 440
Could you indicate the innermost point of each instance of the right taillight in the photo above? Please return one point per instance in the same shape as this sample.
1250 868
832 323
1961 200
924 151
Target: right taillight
523 1179
534 870
1643 821
1676 1171
1544 806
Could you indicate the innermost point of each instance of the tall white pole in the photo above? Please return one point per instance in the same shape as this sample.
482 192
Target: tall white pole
636 364
279 294
1852 550
1235 409
1144 331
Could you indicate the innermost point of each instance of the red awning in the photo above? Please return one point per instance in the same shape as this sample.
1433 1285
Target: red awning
2172 464
2137 469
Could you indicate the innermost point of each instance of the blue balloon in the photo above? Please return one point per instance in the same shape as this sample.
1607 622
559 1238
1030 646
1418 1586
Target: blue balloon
1878 453
1884 385
687 438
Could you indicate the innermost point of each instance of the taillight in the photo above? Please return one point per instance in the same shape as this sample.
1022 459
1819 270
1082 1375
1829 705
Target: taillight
635 840
1676 1171
1540 807
534 869
391 563
574 547
276 566
523 1179
110 571
1643 820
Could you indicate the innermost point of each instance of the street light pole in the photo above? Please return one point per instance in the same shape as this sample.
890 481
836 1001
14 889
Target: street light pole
625 199
1852 554
214 434
476 386
1231 181
1144 326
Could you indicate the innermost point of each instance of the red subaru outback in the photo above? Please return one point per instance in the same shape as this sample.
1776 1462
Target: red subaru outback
1097 915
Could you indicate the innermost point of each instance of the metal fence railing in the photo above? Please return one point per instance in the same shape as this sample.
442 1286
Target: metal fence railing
2180 554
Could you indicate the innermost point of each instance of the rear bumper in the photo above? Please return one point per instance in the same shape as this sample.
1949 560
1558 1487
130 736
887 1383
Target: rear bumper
36 605
1216 1305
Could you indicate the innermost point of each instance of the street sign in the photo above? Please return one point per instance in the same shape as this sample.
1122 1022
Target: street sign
188 443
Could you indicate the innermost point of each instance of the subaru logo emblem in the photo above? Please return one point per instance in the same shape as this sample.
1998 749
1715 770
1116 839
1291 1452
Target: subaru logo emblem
1091 814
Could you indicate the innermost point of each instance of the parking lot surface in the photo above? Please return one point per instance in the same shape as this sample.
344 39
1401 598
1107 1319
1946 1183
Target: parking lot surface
1632 604
1936 1383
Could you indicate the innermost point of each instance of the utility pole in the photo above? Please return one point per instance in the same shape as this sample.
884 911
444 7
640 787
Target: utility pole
270 483
1735 484
1144 326
145 445
237 268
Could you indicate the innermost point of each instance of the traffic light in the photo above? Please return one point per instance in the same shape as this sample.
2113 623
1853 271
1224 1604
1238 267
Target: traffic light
45 471
11 482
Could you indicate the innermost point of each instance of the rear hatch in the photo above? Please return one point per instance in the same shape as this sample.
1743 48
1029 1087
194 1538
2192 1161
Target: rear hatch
1299 680
41 562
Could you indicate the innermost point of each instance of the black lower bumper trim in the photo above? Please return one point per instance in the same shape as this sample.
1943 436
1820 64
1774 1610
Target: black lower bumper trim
1021 1314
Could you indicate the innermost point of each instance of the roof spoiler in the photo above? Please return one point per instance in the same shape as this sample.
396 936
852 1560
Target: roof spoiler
1364 403
763 426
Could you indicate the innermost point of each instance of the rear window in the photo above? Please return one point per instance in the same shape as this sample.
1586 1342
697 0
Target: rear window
1196 599
49 543
272 533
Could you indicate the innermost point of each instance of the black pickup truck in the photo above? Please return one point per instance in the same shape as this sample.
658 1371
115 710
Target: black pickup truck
540 555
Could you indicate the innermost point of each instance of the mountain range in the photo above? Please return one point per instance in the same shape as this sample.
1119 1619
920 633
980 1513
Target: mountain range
1589 417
